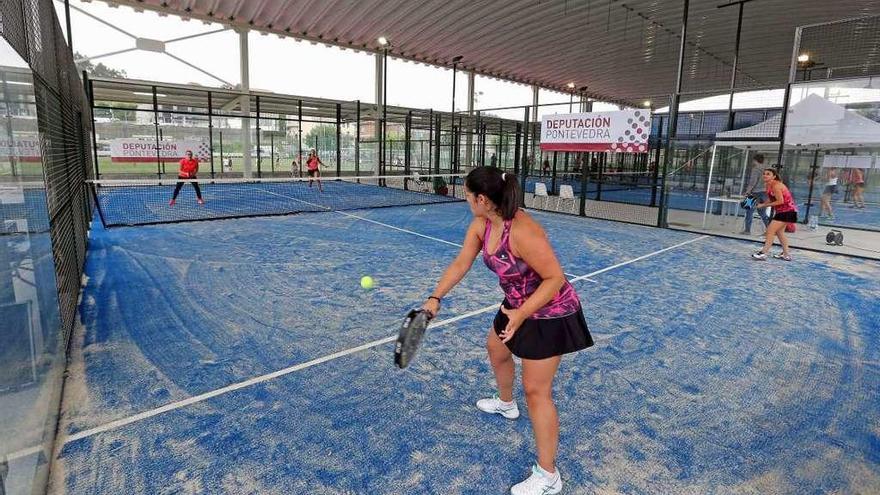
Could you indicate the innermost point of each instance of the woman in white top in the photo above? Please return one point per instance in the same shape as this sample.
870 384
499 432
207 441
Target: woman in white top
830 190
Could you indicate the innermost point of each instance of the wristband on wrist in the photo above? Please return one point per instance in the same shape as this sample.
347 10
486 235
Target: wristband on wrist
435 298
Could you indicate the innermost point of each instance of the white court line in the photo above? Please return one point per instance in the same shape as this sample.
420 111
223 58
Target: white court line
384 224
23 453
365 219
418 234
275 374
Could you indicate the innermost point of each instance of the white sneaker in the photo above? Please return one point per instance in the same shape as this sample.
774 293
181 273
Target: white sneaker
497 406
538 484
760 256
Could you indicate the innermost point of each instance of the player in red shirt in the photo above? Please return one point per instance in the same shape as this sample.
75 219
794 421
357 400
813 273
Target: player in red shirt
313 163
189 168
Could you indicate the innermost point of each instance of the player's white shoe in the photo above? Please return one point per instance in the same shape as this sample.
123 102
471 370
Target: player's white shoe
496 406
539 483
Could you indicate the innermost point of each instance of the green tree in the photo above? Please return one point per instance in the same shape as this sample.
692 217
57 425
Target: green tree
99 70
325 135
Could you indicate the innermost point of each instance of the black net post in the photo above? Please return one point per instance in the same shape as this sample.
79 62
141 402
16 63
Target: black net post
553 177
94 193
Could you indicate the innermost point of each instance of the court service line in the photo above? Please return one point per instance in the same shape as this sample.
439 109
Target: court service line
385 224
421 235
279 373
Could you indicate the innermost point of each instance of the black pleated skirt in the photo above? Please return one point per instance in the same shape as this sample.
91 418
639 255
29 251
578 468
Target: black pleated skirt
539 338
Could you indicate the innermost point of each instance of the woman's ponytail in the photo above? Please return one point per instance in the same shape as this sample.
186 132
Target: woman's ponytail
510 196
502 188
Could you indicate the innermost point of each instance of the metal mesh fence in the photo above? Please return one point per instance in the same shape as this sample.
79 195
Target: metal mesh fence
837 50
45 213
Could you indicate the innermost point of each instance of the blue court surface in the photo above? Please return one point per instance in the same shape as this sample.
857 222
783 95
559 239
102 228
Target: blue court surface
242 356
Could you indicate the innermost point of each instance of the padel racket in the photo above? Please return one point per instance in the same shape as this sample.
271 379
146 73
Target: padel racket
749 202
411 332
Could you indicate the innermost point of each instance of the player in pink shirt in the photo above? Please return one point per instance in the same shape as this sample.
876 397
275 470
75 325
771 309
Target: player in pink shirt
784 213
539 320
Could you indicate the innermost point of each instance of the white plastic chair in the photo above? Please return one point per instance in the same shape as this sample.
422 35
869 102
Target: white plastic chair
565 193
541 192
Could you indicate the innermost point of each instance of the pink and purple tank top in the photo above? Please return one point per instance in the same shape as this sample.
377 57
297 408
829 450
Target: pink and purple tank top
519 280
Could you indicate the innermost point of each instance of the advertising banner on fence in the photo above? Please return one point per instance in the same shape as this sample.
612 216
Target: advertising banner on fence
144 150
25 149
625 131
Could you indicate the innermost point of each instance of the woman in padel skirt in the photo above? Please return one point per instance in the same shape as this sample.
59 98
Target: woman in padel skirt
784 213
313 163
540 319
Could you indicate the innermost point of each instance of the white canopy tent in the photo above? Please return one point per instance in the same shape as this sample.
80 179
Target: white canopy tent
812 122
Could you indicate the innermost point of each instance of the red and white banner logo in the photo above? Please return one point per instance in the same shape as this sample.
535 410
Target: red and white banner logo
144 150
25 149
626 131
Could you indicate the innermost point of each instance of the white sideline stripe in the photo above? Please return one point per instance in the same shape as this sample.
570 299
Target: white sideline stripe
23 453
399 228
275 374
655 253
220 391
